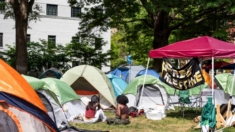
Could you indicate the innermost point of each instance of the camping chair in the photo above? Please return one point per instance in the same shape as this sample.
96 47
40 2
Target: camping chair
186 102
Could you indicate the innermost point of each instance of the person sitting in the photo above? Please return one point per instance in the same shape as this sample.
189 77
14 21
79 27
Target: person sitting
122 114
93 112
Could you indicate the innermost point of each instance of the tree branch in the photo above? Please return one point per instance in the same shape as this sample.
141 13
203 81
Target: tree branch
198 18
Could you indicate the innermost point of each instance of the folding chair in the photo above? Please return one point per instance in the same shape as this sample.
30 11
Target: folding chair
186 101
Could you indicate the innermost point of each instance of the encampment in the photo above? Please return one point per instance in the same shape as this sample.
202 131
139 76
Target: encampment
52 72
87 81
50 101
127 73
20 107
153 93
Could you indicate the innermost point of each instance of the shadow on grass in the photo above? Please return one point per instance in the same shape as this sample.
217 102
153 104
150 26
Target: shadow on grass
189 114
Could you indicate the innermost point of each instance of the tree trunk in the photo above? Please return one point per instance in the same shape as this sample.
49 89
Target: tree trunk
161 35
21 24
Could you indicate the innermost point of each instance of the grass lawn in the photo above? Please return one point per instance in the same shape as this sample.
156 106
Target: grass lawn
172 123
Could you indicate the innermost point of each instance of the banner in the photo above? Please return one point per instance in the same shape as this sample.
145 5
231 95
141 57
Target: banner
187 77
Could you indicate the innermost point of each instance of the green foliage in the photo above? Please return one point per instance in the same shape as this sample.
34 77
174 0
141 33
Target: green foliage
148 24
87 51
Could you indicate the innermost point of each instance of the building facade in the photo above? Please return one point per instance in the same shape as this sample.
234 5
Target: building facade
58 22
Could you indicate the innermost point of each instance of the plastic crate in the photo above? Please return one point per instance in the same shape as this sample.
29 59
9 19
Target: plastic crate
153 115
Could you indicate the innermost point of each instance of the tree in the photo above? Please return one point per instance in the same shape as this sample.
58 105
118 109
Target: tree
88 51
21 11
160 19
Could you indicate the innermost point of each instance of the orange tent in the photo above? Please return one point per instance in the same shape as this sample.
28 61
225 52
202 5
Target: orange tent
20 104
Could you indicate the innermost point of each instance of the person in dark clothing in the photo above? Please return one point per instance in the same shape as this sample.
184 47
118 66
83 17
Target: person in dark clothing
122 114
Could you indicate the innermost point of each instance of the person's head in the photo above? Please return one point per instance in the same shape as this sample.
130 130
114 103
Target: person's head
122 99
95 99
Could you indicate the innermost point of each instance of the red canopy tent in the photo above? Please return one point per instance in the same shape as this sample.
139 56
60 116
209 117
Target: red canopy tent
203 47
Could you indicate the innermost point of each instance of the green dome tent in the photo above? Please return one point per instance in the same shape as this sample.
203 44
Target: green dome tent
61 101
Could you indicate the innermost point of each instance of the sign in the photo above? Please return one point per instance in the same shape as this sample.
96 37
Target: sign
187 77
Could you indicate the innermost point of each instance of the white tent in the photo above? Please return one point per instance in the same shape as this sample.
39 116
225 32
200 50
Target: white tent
87 81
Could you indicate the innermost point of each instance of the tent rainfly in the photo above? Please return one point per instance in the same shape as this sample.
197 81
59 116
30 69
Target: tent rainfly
21 110
87 81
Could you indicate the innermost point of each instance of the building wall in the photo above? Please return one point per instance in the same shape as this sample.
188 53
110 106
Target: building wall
63 26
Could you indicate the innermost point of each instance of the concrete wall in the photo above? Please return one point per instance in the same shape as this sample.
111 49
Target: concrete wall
63 26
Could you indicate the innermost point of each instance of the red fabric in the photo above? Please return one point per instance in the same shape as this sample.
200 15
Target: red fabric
204 47
90 113
217 65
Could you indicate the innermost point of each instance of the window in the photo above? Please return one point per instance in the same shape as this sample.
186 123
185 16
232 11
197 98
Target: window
1 39
75 11
28 38
75 39
98 43
52 10
51 41
2 6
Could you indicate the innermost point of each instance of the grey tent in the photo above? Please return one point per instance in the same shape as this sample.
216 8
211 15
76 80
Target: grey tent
54 109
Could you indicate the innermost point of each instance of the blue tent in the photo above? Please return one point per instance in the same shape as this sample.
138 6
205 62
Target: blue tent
52 72
149 72
118 84
127 73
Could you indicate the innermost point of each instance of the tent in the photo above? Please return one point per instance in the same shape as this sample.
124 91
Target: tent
225 81
149 72
87 81
127 73
50 101
20 107
118 84
69 100
52 72
202 47
153 93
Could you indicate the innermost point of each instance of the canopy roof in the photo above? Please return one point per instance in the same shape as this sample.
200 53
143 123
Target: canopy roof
203 47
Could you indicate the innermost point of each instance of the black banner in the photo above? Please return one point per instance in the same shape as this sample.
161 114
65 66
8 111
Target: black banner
187 77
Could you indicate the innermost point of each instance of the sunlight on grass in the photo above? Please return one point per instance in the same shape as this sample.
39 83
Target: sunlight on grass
172 123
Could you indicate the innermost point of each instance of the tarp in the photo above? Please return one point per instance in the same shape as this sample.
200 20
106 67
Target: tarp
224 81
203 47
149 72
88 80
118 84
127 73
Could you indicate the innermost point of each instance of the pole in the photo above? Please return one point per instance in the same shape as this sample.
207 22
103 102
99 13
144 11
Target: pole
212 72
144 82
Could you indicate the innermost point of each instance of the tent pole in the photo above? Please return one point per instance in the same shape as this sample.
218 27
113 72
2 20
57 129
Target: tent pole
212 72
144 82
